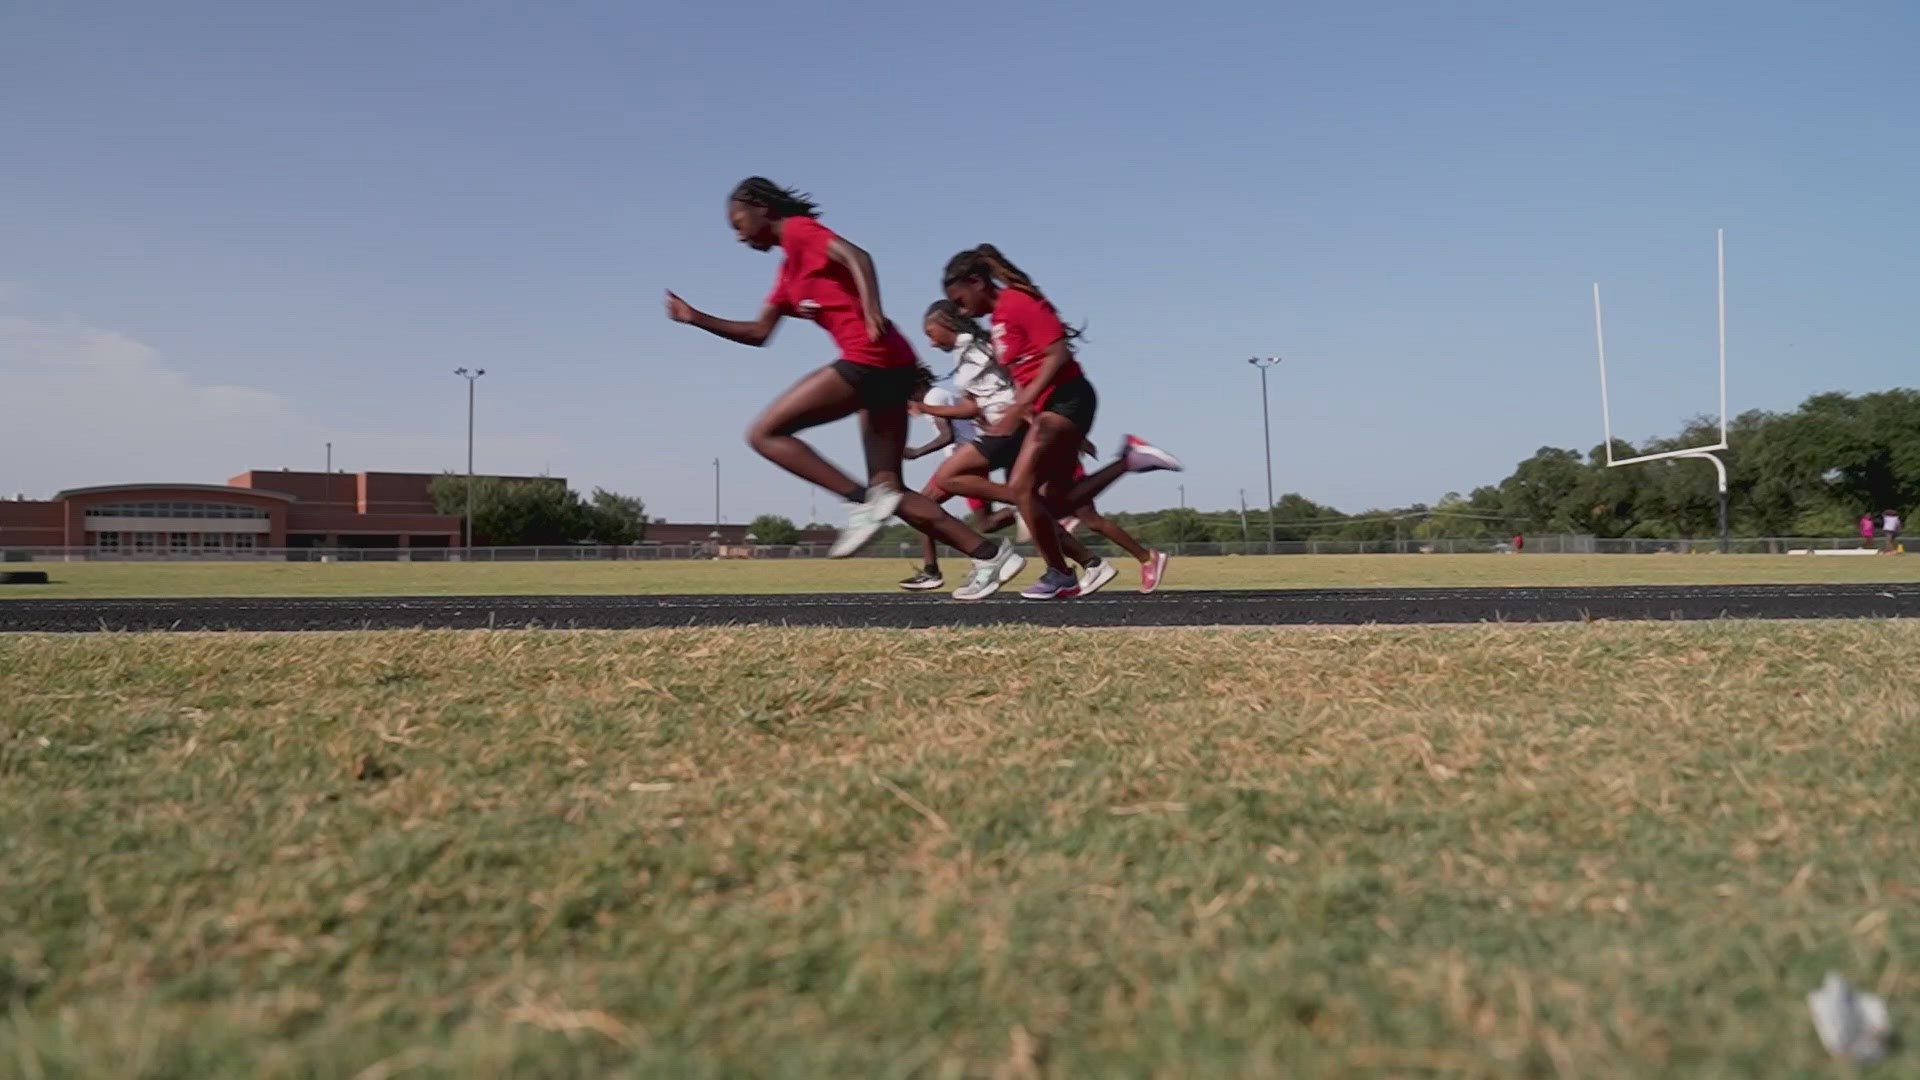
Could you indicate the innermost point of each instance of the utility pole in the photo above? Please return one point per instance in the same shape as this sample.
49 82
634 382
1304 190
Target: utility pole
716 493
1266 431
472 377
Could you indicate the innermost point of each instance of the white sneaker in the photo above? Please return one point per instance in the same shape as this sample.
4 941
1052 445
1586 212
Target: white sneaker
1142 456
865 521
1097 575
989 574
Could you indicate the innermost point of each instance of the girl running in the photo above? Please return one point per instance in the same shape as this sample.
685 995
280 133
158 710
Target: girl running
981 388
1053 408
989 392
830 281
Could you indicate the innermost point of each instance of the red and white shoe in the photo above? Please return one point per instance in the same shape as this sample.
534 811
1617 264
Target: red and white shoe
1153 572
1142 456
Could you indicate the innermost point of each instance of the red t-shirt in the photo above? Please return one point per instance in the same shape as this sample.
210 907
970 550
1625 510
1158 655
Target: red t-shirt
1023 327
813 286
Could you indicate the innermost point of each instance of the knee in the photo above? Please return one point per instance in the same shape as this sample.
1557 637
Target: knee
761 436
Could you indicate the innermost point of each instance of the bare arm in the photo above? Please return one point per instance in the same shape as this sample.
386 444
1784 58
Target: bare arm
865 281
965 410
756 333
942 439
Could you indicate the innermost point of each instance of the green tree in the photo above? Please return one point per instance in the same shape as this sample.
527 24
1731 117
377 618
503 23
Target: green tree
612 518
515 511
1181 526
774 529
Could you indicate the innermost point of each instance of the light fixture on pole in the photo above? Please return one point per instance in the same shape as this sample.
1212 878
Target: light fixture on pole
472 377
1266 432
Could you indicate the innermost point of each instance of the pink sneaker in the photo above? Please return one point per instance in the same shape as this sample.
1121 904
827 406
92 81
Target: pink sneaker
1152 571
1142 456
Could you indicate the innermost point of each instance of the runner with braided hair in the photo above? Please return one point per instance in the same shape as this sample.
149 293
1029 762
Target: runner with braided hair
1052 412
830 281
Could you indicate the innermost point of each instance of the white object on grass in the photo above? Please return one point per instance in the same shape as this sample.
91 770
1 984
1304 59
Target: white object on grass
1852 1024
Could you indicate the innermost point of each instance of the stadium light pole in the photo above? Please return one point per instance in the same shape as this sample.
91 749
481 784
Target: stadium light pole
1266 432
472 377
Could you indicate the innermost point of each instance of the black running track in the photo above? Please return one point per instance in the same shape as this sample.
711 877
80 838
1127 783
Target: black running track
1177 608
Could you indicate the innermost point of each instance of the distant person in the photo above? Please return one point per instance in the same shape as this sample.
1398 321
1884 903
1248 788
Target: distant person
1890 526
1519 543
1866 530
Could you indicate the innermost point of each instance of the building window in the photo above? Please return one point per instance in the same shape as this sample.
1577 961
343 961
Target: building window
106 541
143 543
210 541
243 541
177 510
179 543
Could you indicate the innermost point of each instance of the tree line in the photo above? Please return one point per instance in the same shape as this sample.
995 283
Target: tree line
1810 472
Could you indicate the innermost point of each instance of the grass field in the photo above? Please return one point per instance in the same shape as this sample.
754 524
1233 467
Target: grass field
1599 850
878 575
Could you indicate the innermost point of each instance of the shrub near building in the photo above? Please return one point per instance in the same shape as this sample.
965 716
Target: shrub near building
510 512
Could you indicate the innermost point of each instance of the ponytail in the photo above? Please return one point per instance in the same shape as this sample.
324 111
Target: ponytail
988 264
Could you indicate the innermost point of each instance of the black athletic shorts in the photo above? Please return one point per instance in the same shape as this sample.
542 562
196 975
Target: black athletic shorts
878 388
1077 402
1001 451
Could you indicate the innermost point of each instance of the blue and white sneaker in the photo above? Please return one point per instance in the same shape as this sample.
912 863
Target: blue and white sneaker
989 574
1053 585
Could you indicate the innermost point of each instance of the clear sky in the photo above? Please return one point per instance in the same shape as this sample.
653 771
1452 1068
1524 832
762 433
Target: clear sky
230 233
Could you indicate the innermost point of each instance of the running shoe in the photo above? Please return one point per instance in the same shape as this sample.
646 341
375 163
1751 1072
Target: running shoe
989 574
1053 585
924 581
1142 456
1097 576
865 520
1153 571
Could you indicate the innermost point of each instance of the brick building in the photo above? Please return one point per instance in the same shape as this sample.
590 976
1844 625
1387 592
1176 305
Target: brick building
254 511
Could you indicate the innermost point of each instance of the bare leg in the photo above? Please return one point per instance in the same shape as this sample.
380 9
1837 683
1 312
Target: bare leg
884 433
929 551
1089 487
818 398
997 520
1052 447
1121 537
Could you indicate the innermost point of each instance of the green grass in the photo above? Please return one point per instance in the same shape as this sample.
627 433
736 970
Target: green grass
878 575
1593 850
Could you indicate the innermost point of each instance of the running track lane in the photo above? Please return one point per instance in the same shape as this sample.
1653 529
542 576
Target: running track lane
1178 608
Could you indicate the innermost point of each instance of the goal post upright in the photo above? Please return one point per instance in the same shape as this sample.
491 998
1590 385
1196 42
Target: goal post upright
1710 453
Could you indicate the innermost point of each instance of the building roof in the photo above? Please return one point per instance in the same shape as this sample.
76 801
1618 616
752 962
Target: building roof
211 489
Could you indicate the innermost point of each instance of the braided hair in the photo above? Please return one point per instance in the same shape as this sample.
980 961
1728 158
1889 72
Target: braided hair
948 313
779 202
988 264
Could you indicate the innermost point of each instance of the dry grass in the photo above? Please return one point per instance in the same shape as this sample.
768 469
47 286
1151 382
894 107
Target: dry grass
879 575
1604 850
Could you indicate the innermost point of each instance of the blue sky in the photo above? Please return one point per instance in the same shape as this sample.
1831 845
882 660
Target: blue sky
232 232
